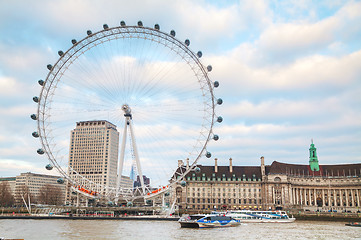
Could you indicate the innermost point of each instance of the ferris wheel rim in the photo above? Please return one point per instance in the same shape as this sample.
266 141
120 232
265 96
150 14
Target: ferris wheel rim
92 39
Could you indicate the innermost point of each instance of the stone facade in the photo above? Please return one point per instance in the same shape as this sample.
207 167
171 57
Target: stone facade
275 186
333 187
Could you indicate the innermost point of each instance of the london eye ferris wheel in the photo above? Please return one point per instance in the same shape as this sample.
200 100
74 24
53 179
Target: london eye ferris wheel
147 83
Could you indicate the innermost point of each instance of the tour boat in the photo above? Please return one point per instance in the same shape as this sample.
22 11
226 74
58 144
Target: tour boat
208 221
260 216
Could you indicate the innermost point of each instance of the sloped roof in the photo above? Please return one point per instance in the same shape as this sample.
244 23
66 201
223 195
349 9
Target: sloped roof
250 172
342 170
286 168
224 171
325 170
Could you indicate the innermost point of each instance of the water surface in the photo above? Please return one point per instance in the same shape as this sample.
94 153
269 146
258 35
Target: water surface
127 229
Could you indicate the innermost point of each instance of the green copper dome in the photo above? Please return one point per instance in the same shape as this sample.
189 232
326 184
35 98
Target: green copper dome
313 158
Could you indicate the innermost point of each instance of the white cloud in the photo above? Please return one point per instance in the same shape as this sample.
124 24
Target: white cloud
282 110
284 41
16 57
17 111
206 25
8 86
10 167
289 37
313 71
285 142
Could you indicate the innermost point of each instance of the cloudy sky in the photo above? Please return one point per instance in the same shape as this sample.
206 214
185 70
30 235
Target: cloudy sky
290 71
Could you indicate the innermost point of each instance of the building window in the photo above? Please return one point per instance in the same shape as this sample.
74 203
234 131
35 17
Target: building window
277 179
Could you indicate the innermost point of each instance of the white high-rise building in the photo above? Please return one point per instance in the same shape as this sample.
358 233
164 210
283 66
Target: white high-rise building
94 152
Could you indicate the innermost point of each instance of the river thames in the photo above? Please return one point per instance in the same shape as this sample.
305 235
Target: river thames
128 229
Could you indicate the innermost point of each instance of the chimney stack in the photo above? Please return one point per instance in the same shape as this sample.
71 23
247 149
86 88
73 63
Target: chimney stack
187 163
263 169
215 165
180 163
230 165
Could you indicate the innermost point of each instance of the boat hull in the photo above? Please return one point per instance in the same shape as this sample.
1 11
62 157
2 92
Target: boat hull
354 224
215 224
189 224
208 221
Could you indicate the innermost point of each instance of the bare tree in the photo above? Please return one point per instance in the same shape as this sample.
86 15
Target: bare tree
6 197
20 192
51 195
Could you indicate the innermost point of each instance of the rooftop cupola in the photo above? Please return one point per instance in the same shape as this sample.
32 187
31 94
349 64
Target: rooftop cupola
313 158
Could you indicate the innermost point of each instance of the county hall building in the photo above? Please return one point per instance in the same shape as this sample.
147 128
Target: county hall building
276 186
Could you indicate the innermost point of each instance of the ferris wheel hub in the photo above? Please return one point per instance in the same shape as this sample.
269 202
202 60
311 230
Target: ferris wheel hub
127 110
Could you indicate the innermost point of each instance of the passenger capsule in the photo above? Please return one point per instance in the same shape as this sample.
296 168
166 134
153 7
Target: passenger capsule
149 202
36 99
183 183
40 151
34 117
167 194
60 181
156 27
49 167
122 23
215 137
60 53
89 32
209 68
129 204
219 101
208 154
140 24
105 26
73 41
49 66
35 134
197 170
216 84
172 33
187 42
199 54
41 82
219 119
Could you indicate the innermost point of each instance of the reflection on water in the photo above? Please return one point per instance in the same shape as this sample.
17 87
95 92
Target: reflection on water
121 229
